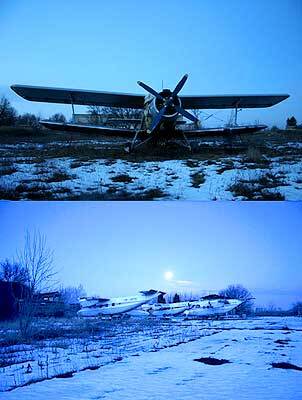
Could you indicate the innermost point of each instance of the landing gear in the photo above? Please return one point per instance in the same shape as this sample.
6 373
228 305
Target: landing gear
185 142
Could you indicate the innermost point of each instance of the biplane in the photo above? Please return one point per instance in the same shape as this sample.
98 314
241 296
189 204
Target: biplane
163 113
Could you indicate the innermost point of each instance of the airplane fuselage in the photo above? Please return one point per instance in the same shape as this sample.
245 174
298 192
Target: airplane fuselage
209 308
197 308
93 307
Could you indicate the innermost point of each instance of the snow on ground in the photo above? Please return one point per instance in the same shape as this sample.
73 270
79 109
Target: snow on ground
174 179
250 346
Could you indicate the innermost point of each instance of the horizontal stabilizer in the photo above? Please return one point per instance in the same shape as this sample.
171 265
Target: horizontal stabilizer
149 292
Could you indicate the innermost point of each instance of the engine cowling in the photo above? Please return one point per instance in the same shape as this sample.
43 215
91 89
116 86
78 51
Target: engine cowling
159 103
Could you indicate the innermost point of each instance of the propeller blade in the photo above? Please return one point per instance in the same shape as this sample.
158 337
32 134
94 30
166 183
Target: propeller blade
180 85
149 89
158 119
186 114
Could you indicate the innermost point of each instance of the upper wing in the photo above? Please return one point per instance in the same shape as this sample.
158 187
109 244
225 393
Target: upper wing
102 130
230 101
77 96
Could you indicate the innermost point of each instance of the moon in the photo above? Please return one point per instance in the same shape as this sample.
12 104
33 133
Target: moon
168 275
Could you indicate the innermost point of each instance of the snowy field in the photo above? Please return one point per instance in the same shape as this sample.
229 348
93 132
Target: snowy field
99 170
145 359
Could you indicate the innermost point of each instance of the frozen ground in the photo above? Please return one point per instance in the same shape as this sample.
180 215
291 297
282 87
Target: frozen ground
99 170
167 366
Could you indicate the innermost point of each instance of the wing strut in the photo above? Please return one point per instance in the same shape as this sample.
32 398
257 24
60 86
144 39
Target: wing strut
72 106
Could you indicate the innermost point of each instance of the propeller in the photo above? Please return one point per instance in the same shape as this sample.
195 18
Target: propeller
150 90
186 114
172 100
180 85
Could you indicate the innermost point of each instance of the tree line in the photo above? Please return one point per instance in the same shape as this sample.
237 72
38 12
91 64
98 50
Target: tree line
10 117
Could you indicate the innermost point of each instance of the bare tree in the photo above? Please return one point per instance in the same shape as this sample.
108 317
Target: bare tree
11 271
8 114
37 260
58 117
297 309
197 114
28 119
71 294
115 112
94 110
241 293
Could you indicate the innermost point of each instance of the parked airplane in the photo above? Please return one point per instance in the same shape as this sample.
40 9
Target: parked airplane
97 306
213 306
207 306
166 310
162 111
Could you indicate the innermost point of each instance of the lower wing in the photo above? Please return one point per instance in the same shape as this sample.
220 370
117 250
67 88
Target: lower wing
102 130
224 131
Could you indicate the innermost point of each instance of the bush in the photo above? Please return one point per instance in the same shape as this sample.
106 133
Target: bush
8 114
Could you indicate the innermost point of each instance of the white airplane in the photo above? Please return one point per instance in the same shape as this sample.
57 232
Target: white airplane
97 306
166 310
208 306
212 306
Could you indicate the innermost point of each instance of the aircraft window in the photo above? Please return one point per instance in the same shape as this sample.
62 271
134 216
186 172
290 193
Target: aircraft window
197 306
113 304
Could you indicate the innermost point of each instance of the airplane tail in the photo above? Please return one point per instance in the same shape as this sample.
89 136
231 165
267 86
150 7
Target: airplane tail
151 292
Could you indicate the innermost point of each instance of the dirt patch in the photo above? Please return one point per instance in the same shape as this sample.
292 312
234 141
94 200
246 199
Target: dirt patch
8 170
192 163
59 176
198 178
285 365
65 375
212 361
124 178
282 341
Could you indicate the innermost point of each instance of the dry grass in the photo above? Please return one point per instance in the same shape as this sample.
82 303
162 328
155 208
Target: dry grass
8 170
257 188
197 179
124 178
59 176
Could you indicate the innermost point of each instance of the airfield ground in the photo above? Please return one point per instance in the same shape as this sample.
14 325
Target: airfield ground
147 359
40 164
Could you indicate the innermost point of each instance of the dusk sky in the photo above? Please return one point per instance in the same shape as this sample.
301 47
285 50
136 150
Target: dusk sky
118 248
226 47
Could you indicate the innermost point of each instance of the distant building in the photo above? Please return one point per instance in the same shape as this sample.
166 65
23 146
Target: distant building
109 120
88 119
49 304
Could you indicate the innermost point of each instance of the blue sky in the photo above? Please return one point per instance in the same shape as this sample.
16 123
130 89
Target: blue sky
225 47
116 248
